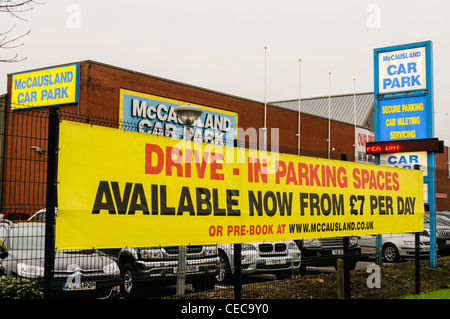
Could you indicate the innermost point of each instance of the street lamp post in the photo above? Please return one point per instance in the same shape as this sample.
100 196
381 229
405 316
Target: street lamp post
187 115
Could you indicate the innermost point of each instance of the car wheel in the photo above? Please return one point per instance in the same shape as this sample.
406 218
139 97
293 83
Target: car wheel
390 253
224 274
129 287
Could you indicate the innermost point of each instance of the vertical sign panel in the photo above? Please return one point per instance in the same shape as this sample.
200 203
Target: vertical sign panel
403 104
403 92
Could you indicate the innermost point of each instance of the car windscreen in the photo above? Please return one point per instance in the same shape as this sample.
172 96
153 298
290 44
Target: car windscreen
30 237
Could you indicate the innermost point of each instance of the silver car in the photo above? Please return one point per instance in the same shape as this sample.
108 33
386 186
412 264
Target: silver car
442 231
76 273
281 258
394 246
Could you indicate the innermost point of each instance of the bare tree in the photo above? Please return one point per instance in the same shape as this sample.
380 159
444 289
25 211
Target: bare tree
7 39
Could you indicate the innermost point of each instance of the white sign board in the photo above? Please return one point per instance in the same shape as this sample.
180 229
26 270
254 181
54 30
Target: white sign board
408 160
402 70
362 136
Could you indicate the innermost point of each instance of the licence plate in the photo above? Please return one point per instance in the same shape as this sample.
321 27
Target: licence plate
274 262
87 285
189 268
337 252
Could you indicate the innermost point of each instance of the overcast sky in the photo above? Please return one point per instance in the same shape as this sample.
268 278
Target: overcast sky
219 45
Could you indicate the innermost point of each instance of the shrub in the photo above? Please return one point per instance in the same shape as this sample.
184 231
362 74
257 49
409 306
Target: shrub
12 287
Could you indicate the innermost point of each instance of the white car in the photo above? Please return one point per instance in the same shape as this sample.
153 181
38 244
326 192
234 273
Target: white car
77 273
394 246
281 258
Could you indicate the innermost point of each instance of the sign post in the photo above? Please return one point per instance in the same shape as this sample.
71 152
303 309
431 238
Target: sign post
403 92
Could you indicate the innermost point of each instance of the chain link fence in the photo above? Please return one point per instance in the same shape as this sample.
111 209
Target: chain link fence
226 271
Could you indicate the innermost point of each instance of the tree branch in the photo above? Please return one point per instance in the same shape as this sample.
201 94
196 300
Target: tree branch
14 8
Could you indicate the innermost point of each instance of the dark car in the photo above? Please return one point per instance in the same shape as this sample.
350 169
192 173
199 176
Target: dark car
321 252
86 274
442 232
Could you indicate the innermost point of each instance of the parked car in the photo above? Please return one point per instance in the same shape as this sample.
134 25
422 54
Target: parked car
39 216
394 246
14 216
145 266
443 217
322 252
281 258
76 274
442 232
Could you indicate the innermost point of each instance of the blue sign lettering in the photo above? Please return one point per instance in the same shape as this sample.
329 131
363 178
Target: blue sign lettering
146 113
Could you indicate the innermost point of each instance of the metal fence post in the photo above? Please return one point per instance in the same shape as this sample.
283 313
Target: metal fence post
52 155
237 271
417 264
346 268
346 256
181 270
417 255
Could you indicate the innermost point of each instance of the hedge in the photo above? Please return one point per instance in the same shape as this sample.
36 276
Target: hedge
12 287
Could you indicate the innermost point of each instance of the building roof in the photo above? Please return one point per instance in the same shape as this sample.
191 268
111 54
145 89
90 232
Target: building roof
341 108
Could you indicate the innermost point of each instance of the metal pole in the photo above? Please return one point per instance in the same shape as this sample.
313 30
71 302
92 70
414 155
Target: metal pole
417 255
181 271
299 104
265 99
432 203
378 238
346 269
379 249
52 155
237 271
417 263
346 257
329 115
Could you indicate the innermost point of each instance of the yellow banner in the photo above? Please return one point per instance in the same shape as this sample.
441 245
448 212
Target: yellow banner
45 87
126 189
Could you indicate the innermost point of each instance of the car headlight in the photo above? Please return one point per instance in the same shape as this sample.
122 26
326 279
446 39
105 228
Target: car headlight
353 241
312 243
151 253
248 247
292 246
409 242
294 251
211 250
29 271
111 269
